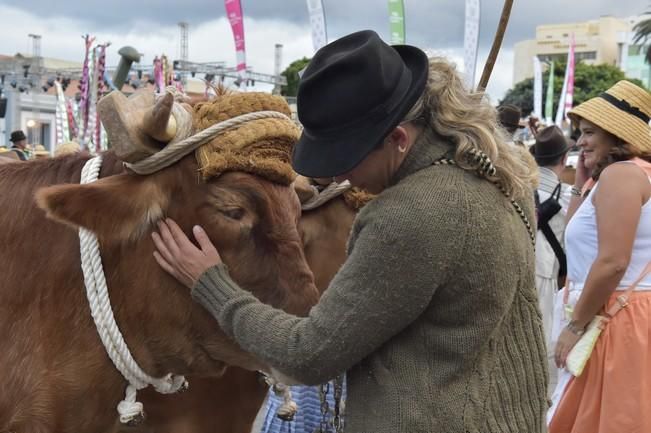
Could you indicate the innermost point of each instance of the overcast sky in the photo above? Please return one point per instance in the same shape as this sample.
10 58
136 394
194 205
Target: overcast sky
151 27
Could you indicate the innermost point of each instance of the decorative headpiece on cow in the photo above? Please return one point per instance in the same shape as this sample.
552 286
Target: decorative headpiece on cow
250 132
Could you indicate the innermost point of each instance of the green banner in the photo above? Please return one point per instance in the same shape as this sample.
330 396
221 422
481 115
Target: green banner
549 101
397 21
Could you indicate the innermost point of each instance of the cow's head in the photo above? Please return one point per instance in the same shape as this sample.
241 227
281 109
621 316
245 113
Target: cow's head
326 228
251 216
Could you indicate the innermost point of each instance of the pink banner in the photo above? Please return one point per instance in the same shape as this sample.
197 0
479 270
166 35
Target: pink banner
569 95
234 13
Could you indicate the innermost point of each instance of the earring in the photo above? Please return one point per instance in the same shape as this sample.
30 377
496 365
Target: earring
402 149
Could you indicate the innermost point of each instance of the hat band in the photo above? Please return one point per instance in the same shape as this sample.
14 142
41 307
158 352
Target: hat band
625 106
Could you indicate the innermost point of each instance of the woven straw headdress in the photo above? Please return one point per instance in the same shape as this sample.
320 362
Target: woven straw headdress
624 110
261 147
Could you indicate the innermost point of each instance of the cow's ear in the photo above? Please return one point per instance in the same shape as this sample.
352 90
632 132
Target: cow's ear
120 207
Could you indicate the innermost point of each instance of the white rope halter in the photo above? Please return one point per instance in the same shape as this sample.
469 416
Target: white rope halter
130 410
331 191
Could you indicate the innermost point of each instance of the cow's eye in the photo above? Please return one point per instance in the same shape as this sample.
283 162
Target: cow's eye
234 213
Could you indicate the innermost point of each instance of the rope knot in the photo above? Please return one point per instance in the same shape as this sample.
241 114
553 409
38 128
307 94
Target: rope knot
131 411
289 408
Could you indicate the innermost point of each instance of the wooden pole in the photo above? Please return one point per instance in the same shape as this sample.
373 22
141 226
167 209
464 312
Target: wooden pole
497 44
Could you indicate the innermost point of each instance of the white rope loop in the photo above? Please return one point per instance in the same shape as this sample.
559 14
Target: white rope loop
331 191
130 409
184 143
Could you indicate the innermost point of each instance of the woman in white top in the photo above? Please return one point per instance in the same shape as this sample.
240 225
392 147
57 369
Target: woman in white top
608 245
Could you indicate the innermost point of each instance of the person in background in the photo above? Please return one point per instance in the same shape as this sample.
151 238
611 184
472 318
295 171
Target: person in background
19 144
67 148
552 199
608 245
510 117
41 152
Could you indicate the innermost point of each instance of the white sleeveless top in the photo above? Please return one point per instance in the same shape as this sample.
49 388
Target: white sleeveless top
581 245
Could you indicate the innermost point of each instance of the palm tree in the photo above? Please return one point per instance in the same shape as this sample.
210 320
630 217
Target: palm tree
643 34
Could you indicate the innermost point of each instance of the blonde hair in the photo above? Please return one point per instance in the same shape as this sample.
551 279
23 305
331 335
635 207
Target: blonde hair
469 123
67 148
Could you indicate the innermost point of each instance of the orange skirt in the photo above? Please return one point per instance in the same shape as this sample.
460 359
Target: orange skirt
613 395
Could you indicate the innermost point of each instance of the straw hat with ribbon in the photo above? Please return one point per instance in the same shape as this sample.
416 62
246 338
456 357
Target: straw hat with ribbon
624 110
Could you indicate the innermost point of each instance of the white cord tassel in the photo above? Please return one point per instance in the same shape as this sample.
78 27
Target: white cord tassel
130 410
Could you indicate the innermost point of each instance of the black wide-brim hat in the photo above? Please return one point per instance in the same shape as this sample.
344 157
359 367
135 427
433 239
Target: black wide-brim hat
353 93
17 136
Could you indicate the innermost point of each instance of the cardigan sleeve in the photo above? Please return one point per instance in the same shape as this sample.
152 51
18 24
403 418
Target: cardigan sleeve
397 261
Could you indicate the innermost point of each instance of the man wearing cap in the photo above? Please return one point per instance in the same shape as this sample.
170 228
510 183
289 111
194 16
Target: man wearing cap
550 152
19 144
508 117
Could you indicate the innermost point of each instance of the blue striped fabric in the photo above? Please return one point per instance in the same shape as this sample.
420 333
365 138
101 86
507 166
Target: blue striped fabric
307 418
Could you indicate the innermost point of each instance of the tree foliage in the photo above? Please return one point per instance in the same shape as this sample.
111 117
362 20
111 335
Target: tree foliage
291 73
643 35
589 81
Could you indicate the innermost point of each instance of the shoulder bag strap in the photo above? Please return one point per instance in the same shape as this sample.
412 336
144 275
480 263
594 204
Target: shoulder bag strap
622 300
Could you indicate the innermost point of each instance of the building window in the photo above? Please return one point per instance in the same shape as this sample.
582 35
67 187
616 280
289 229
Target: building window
552 57
588 55
634 50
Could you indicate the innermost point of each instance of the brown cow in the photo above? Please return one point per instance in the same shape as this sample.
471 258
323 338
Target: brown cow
56 374
229 404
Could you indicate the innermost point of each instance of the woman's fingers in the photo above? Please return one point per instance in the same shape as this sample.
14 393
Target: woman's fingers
179 237
162 247
204 242
168 239
165 265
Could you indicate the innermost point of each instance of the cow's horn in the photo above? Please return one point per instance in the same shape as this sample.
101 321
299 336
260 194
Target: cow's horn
158 122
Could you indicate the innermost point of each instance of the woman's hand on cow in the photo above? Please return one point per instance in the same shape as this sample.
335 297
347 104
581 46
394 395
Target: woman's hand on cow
179 256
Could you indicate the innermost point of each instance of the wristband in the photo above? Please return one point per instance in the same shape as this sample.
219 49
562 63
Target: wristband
575 329
575 191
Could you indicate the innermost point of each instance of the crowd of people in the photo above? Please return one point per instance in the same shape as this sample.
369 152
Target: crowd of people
476 270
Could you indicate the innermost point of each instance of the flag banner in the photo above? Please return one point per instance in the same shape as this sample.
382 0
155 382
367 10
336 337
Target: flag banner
566 97
61 116
471 41
397 21
537 87
569 96
549 100
235 17
318 23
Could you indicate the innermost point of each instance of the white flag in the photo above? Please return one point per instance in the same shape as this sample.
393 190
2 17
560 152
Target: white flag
318 23
471 41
